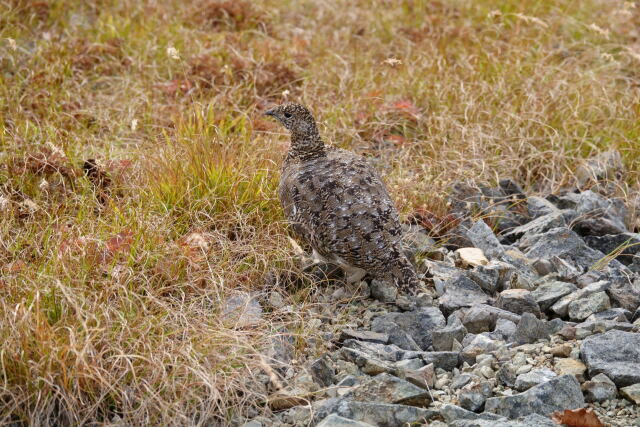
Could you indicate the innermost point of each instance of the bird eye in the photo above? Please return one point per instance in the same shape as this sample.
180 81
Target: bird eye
287 115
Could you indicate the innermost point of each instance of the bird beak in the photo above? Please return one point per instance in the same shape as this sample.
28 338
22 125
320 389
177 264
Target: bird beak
271 112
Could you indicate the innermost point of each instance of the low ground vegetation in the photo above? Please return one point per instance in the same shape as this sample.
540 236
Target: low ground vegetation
137 175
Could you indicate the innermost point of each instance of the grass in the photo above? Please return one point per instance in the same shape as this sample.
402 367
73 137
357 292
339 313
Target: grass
112 306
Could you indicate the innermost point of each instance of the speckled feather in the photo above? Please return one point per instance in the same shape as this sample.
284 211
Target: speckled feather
336 202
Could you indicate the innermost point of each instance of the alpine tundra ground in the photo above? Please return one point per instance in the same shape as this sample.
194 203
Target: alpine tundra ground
113 278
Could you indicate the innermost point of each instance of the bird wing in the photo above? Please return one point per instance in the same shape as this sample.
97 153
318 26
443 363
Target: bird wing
339 205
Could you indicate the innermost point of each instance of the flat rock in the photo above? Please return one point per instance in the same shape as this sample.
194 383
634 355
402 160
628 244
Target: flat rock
386 388
617 314
518 301
452 413
582 308
242 310
322 371
471 257
423 377
533 420
548 293
380 414
542 224
615 354
533 378
416 324
461 292
554 395
599 389
369 336
334 420
539 206
632 393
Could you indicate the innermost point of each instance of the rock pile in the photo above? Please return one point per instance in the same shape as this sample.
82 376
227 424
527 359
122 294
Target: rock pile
541 316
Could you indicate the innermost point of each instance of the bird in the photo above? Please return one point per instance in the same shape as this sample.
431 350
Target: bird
337 203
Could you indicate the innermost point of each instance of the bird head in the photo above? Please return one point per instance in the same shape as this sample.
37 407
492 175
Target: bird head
296 118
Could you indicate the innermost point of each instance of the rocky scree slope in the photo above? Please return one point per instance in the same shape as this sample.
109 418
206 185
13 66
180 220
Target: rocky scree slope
537 313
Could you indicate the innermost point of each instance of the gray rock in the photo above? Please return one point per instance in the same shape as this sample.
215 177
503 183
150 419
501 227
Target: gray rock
480 344
417 324
554 395
443 338
518 301
242 310
597 216
539 225
446 360
322 371
383 291
531 329
334 420
615 354
528 421
423 377
561 307
253 423
632 393
599 389
624 292
482 318
461 292
564 244
539 206
506 375
582 308
588 328
490 277
452 413
505 330
386 388
461 380
625 245
617 314
381 414
533 378
548 293
473 396
369 336
483 238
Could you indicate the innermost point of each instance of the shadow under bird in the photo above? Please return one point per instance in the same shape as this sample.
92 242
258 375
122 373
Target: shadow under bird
337 203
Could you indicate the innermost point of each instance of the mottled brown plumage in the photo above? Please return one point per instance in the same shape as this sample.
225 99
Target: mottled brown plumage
336 202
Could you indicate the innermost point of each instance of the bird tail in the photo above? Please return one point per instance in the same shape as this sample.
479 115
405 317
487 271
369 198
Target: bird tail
404 275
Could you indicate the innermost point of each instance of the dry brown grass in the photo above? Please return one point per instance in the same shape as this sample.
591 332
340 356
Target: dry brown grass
112 295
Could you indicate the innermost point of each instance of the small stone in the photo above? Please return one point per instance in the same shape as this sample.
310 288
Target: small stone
518 301
453 414
599 389
533 378
242 310
423 377
561 307
523 369
461 292
472 257
443 338
506 375
322 371
410 330
632 393
570 366
383 291
483 318
473 396
375 413
582 308
561 350
461 381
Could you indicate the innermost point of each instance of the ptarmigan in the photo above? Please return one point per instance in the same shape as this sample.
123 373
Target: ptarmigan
337 203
